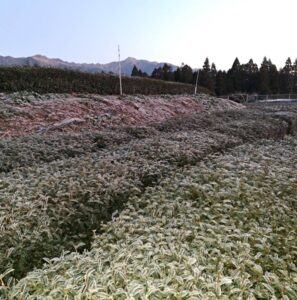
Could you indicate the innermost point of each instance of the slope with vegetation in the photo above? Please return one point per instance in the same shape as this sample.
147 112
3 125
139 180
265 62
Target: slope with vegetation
50 80
141 213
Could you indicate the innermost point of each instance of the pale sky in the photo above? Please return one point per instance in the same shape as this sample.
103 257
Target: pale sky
172 31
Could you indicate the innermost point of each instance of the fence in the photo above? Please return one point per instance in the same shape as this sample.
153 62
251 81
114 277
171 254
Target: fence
246 98
272 98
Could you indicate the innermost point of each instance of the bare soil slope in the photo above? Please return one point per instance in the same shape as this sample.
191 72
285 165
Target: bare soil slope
26 114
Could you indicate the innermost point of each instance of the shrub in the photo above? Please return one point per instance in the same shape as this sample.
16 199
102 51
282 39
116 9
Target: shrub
50 80
224 229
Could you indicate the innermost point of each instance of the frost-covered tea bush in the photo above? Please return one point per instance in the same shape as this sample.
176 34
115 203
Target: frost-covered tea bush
40 149
224 229
240 126
57 190
247 125
50 207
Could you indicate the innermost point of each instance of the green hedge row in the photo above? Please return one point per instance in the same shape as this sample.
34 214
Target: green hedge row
50 80
222 229
238 126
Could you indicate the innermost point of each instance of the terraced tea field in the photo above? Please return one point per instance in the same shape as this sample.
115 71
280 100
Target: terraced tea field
201 205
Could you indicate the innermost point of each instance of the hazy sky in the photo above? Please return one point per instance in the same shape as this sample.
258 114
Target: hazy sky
175 31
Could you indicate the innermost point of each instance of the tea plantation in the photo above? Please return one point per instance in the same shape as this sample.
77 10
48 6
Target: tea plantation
197 207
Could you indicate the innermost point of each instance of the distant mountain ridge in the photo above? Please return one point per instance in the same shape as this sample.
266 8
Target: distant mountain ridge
43 61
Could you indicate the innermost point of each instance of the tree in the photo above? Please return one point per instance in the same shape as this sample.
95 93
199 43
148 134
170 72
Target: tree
177 75
213 75
184 73
135 71
264 80
295 76
207 75
158 73
273 78
221 83
249 73
287 78
138 72
235 76
167 72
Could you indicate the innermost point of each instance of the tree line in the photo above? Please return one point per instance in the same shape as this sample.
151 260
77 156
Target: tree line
240 78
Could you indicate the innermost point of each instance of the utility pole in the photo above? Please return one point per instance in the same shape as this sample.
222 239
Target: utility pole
196 85
120 71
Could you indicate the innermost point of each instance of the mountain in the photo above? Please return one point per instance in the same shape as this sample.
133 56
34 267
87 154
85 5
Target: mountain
128 64
43 61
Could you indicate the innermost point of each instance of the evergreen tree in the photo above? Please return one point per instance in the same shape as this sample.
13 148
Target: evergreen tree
273 78
167 73
287 78
186 74
249 78
158 73
177 75
213 75
294 73
204 73
264 80
135 71
207 75
138 72
221 83
235 76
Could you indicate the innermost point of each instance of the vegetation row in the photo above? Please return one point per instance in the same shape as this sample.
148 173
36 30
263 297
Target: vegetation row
224 229
56 190
50 80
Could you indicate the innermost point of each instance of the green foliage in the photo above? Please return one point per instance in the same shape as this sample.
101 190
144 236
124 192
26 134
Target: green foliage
57 191
138 72
50 80
38 149
224 229
207 76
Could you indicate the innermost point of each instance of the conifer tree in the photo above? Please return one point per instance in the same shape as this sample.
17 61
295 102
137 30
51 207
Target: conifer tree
264 80
235 76
249 77
295 76
273 78
287 79
186 74
207 75
135 71
221 83
177 75
158 73
167 73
